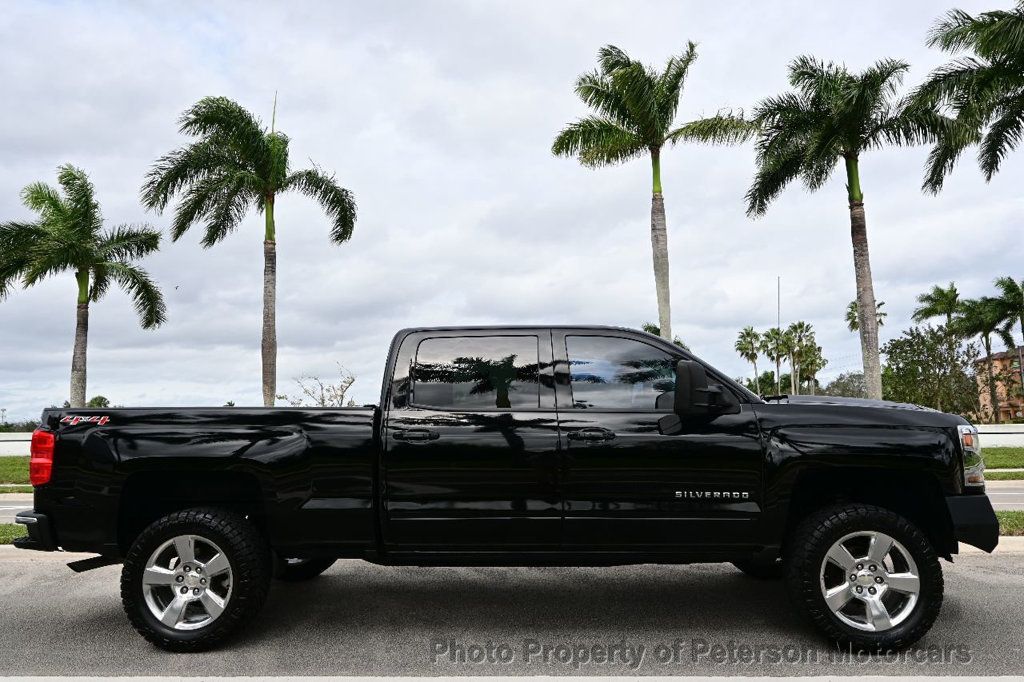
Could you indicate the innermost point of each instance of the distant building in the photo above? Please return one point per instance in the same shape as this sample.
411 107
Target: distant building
1006 369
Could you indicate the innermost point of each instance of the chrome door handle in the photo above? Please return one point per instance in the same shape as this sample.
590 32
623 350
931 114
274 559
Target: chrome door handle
592 435
416 435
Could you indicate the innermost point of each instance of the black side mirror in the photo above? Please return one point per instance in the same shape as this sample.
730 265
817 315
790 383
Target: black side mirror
696 397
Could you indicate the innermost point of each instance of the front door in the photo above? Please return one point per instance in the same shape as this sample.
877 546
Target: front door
630 482
471 443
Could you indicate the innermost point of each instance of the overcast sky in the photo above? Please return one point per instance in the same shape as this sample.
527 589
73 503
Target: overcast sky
439 116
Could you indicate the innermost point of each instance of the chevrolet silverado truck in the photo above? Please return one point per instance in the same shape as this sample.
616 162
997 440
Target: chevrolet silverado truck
570 446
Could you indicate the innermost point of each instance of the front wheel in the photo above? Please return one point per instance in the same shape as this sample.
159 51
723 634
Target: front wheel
193 577
865 576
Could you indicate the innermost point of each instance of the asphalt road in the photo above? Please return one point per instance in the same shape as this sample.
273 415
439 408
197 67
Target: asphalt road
364 619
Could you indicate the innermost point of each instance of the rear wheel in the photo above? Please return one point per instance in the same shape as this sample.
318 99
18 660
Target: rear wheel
297 570
194 577
866 576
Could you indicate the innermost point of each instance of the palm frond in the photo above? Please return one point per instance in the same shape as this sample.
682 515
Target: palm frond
225 120
723 128
671 81
336 201
598 141
1002 136
128 242
80 199
182 167
611 58
146 297
18 240
774 172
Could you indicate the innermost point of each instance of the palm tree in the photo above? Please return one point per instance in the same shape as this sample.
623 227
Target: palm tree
234 165
802 335
982 317
635 115
938 302
853 319
1011 304
773 346
812 361
984 91
652 328
69 235
835 115
748 345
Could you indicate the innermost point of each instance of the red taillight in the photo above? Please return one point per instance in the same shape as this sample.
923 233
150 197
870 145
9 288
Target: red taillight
40 465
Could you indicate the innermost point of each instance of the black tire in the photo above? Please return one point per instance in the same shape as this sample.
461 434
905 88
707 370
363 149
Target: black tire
761 570
298 570
814 537
249 558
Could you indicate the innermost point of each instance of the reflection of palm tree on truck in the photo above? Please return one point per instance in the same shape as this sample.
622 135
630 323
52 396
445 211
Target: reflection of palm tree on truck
486 376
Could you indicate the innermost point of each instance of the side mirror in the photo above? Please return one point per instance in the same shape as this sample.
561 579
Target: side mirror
696 397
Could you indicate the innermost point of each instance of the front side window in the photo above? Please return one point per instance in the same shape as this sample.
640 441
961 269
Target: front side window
477 372
619 374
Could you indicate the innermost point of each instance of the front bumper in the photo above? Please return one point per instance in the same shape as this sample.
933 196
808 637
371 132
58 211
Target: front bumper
40 532
974 521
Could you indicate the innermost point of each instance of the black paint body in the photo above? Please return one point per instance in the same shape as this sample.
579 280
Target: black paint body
402 483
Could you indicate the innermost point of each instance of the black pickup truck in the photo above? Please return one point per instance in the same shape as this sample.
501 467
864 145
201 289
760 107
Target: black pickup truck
506 446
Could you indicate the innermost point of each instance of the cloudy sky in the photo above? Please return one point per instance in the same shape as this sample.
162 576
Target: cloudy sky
439 116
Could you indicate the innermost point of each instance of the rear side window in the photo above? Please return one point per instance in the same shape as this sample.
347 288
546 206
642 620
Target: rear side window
619 374
477 373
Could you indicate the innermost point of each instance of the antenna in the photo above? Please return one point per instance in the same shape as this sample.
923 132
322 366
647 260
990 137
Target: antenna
778 301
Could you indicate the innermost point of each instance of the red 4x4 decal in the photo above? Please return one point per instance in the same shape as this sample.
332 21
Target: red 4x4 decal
76 419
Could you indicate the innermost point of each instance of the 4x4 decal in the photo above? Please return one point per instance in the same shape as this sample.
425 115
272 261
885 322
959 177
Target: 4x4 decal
72 420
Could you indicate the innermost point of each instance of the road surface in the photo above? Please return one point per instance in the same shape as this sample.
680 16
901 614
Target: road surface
364 619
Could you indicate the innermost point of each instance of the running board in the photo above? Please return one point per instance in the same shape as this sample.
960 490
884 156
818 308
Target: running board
83 565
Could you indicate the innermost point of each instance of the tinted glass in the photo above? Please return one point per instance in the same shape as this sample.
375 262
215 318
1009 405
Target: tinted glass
477 372
611 373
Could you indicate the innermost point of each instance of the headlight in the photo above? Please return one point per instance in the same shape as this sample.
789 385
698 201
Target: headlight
974 463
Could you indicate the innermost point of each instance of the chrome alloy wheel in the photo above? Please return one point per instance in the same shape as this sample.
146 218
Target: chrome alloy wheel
870 581
187 582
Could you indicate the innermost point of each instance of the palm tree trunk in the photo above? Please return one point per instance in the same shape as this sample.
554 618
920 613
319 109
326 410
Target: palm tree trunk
757 379
792 376
867 314
778 375
78 356
659 248
268 346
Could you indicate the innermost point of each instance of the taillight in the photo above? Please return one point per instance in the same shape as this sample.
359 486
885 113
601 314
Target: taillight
40 465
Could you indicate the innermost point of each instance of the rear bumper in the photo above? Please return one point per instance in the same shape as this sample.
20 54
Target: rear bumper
40 532
974 521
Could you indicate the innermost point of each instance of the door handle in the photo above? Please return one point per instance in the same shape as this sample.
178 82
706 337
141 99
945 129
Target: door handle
416 435
592 434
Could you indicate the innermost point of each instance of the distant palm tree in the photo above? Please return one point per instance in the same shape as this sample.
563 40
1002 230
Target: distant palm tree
982 317
69 235
234 165
748 345
812 361
652 328
635 115
802 335
1011 304
985 91
836 116
853 319
938 302
773 346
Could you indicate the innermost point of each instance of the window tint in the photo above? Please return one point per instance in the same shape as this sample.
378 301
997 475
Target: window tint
477 372
613 373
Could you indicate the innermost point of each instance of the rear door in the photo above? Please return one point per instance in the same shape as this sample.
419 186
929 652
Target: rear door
630 487
471 443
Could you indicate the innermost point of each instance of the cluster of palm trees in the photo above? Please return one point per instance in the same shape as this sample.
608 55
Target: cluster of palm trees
795 345
986 318
232 164
831 116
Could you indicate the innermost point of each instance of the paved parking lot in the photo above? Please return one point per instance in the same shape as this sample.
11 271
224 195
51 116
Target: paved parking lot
365 619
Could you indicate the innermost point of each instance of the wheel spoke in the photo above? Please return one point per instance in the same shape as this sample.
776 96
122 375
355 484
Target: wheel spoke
879 547
217 565
841 556
904 582
213 604
155 575
878 615
185 546
838 597
172 614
